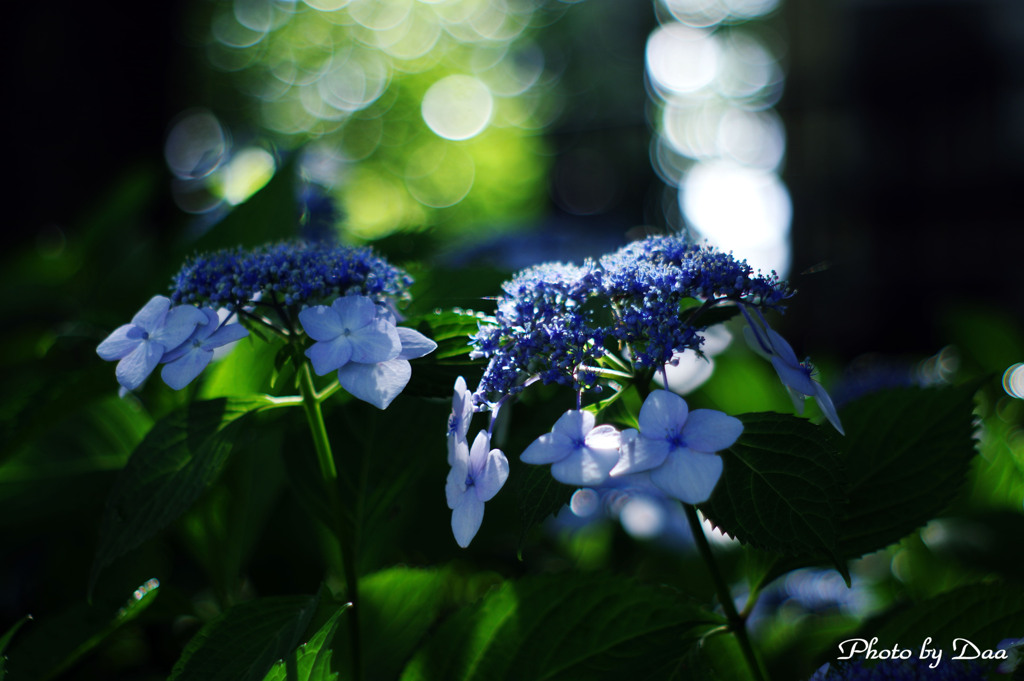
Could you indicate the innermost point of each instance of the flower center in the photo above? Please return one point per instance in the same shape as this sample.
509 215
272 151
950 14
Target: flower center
675 438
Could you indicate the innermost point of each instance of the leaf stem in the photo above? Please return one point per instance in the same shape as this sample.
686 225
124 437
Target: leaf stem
340 526
737 624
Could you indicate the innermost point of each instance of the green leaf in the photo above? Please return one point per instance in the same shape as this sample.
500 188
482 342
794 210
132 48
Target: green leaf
539 495
182 455
781 487
985 614
565 627
5 641
399 607
907 452
244 643
55 643
312 660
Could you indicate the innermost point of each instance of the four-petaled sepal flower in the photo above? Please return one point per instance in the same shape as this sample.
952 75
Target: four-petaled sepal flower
579 453
678 446
184 363
380 383
350 330
458 420
154 330
793 373
476 476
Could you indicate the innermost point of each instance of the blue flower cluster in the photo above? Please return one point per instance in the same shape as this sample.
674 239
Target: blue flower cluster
291 273
554 320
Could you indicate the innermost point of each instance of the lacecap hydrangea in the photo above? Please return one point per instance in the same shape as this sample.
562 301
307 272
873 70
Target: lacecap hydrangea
337 303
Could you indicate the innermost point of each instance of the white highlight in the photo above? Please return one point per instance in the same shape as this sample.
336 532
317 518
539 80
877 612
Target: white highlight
457 107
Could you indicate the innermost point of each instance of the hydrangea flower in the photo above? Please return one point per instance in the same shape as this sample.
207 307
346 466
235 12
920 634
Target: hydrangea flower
350 330
458 420
380 383
291 273
184 363
579 453
154 330
793 373
678 446
477 474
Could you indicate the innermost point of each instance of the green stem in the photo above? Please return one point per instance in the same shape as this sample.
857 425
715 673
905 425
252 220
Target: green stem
340 526
737 624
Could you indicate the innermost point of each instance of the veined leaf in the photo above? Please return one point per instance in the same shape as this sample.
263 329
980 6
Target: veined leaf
244 643
179 457
781 487
312 660
565 627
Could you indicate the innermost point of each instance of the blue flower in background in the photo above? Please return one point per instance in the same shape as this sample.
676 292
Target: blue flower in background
184 363
154 330
477 474
352 329
579 453
793 373
458 420
678 446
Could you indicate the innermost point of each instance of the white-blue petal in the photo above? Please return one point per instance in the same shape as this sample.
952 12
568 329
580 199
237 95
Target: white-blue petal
327 356
375 342
707 430
181 321
466 519
415 344
151 316
640 453
493 476
827 408
135 368
118 344
354 312
585 466
661 414
320 323
548 448
182 371
379 384
574 424
795 376
687 475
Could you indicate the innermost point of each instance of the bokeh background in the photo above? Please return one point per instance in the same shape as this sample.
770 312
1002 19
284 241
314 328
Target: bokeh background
872 152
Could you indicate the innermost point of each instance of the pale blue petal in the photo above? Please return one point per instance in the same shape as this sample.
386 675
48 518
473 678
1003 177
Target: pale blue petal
415 344
688 476
454 440
136 367
756 342
707 430
574 424
321 323
151 316
379 384
466 519
455 485
781 349
181 321
604 437
795 376
662 414
462 409
478 453
640 454
585 466
493 476
118 344
798 399
828 409
354 312
327 356
548 448
184 370
229 333
375 342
